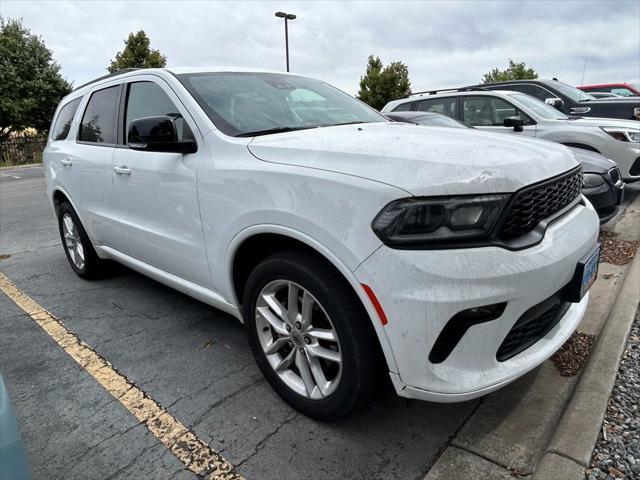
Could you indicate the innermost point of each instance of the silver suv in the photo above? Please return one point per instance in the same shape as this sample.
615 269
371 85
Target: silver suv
522 114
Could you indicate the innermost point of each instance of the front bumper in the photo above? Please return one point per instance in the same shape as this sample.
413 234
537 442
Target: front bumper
606 198
421 290
627 157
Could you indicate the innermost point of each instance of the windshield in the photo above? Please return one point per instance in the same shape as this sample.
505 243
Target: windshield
540 108
248 104
437 121
572 92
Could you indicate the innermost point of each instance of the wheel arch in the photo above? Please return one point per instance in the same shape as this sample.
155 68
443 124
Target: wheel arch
581 145
260 241
58 196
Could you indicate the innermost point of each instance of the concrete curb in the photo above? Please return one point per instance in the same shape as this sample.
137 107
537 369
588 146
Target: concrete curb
17 167
578 430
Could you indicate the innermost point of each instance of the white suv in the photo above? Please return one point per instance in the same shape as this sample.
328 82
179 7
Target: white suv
350 246
506 111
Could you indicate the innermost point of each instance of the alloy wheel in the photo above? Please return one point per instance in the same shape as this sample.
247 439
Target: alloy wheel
298 339
72 241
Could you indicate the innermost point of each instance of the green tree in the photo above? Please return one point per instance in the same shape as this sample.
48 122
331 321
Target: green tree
30 82
381 84
515 71
137 53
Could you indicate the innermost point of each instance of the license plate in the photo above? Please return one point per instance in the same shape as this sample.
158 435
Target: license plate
590 272
583 277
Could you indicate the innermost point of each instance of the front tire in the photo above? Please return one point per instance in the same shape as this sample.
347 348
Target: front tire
310 335
78 248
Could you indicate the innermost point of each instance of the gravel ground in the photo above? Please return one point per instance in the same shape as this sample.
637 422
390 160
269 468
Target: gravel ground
573 354
616 250
617 452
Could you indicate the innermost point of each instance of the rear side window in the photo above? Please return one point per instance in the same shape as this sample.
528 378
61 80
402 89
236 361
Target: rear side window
62 125
99 119
445 106
147 99
535 91
625 92
403 107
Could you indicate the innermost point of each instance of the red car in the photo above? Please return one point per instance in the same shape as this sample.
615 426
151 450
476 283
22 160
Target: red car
623 89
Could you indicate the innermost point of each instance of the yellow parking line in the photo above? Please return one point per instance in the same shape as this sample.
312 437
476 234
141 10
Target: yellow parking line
184 444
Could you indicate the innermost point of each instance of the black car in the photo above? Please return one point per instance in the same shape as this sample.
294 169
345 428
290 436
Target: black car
572 101
603 185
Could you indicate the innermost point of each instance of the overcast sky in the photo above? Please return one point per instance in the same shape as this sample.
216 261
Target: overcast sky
444 43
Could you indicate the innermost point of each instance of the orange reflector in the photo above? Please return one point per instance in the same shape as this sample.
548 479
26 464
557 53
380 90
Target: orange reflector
375 302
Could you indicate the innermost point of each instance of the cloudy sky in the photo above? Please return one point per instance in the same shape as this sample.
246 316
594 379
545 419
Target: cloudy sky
444 43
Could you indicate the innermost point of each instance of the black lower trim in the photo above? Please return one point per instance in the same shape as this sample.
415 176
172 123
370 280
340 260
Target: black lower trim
534 324
455 329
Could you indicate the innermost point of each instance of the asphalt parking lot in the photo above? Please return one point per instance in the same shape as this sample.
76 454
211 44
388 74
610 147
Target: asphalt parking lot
190 358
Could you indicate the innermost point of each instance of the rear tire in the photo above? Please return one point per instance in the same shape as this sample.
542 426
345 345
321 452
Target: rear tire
319 353
78 248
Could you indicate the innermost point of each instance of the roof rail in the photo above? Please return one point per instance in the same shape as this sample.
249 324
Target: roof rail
461 89
109 75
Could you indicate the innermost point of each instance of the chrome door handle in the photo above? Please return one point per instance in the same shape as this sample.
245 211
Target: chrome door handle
67 162
122 170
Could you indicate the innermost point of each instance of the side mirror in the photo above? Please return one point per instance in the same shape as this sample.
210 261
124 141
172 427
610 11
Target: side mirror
158 134
554 102
515 122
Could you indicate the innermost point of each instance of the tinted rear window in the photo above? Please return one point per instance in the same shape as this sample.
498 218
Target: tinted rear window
445 106
62 125
99 119
403 107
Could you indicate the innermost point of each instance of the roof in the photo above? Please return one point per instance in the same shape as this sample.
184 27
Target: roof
179 71
530 80
616 84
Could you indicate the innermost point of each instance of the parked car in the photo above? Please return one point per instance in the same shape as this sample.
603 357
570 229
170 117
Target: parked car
623 89
571 101
604 95
603 185
517 113
13 457
339 238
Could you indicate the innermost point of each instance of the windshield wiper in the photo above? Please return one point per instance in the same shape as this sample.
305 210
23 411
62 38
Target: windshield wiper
345 123
269 131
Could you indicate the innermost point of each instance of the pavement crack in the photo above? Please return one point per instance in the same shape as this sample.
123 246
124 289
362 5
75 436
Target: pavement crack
132 462
76 458
260 445
221 400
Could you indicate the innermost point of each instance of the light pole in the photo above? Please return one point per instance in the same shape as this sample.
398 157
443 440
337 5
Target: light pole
287 17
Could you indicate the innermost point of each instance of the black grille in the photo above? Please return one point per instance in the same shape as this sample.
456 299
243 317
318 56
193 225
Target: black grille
614 174
534 324
535 203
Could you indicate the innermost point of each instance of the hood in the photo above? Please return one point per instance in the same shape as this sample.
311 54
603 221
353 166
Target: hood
603 122
605 101
591 161
419 160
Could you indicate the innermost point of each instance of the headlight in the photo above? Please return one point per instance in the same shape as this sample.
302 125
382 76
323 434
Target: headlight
623 134
423 220
592 180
